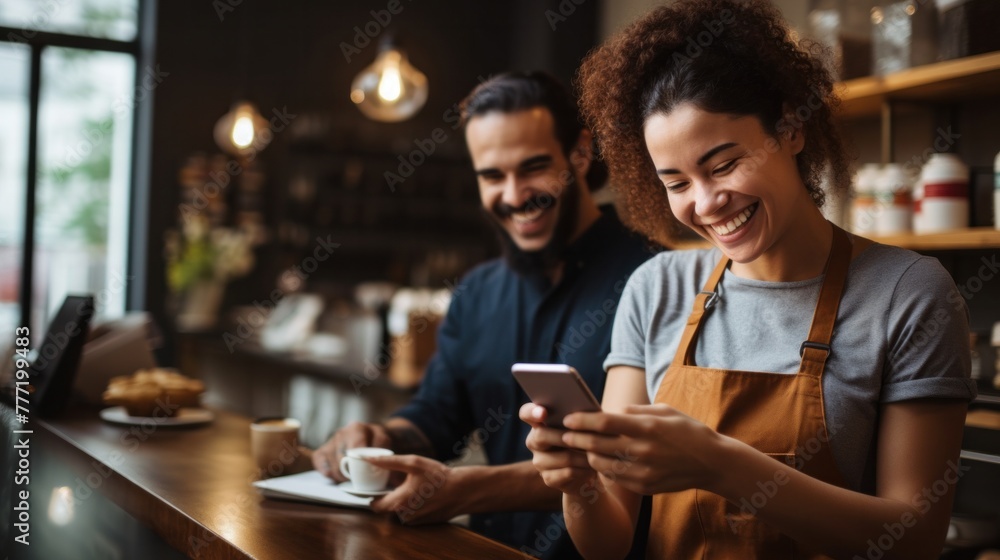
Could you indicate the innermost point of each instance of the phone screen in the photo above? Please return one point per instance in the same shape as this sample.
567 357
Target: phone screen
557 387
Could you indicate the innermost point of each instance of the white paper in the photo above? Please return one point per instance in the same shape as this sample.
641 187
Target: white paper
310 486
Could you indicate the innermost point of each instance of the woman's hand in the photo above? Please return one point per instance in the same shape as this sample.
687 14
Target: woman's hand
649 450
566 470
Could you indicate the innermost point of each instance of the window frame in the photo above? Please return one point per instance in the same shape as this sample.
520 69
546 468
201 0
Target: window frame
142 49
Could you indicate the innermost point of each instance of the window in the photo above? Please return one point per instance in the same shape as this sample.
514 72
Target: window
108 19
14 66
67 102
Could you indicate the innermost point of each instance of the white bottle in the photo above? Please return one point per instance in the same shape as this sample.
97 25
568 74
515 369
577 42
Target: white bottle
996 193
894 201
945 202
918 201
864 211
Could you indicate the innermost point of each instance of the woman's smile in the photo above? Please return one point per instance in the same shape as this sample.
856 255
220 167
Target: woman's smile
728 229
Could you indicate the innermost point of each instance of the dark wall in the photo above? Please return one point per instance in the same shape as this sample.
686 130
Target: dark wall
289 55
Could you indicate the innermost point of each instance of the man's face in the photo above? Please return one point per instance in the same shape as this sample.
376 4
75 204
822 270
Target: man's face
523 175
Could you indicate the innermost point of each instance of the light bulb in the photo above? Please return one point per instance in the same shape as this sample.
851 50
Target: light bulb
390 86
242 131
390 89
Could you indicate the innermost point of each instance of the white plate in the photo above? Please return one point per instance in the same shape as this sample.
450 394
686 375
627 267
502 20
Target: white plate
349 488
185 417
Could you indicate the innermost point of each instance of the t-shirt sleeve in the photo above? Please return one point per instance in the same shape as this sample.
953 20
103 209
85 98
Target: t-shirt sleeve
439 409
928 338
628 336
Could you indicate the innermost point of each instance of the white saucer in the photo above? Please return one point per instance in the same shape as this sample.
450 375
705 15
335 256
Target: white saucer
184 417
349 488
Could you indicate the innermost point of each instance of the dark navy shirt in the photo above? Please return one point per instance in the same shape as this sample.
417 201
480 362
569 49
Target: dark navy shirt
497 318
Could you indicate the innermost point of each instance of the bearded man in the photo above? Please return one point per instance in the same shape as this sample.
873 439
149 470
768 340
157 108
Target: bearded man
550 298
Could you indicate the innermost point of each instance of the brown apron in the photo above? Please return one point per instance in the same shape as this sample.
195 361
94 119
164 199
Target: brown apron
779 414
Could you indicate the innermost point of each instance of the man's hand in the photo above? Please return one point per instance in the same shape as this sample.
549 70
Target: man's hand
432 492
326 459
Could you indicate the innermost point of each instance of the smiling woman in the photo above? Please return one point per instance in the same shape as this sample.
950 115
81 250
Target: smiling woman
776 395
696 151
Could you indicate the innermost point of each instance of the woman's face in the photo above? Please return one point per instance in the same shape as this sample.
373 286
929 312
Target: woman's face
727 178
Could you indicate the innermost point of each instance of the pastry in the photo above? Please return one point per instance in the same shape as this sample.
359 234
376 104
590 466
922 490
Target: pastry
154 392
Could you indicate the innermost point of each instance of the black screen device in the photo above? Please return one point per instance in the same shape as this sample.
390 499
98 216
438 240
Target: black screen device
57 357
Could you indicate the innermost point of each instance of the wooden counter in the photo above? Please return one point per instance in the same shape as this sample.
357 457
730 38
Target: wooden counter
191 486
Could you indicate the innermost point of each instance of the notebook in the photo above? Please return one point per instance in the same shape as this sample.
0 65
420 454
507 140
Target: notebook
312 487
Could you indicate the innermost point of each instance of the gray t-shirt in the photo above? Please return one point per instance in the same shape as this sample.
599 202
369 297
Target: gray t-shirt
902 333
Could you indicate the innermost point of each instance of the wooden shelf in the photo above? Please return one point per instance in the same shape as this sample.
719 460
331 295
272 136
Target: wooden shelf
974 76
975 238
969 239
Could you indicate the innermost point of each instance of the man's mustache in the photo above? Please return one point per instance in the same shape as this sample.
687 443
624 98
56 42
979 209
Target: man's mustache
542 201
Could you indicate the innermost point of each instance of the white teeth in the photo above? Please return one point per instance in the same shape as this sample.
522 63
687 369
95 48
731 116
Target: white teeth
735 223
527 216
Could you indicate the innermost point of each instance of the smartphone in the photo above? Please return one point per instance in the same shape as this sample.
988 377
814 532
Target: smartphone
557 387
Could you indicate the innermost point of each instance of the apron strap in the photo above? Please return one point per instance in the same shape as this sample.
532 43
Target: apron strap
704 300
816 349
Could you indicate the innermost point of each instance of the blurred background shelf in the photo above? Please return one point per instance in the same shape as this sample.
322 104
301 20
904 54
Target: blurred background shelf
965 239
973 238
964 78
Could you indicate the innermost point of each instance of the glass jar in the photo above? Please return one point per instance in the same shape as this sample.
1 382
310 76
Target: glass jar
845 27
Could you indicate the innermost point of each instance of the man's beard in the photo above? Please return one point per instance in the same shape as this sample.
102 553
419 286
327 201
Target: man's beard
548 257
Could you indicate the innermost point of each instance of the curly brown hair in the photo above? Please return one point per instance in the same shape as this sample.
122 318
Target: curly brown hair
724 56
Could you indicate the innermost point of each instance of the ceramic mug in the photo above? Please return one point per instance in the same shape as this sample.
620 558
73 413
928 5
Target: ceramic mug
363 475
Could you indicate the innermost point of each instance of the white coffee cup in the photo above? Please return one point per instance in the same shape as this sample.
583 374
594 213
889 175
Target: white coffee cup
365 476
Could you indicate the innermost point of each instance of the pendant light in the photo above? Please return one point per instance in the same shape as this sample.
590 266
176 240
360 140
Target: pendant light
242 130
390 89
